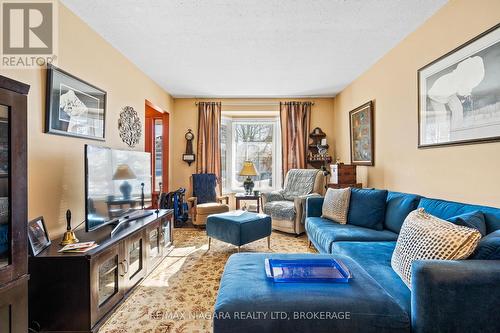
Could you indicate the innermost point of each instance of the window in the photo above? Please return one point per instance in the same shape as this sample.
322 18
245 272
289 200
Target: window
156 142
158 153
252 139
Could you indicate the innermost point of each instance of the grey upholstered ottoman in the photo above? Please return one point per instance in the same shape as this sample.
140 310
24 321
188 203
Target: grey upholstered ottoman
239 227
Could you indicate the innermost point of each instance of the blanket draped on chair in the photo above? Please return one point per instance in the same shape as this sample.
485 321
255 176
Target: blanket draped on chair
299 183
204 187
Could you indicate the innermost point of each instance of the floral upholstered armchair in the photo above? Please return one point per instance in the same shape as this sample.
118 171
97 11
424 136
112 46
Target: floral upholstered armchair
286 206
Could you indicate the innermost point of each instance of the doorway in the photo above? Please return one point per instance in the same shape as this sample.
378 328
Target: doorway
156 136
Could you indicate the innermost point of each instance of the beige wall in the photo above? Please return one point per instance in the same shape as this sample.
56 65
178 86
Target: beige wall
463 173
185 116
55 163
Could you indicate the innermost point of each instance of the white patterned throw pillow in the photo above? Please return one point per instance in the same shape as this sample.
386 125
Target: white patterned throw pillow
336 205
424 236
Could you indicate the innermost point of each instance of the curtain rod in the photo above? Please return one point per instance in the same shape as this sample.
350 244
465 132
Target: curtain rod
251 103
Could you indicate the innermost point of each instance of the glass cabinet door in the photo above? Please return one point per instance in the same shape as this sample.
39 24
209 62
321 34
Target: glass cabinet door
166 228
135 257
5 249
154 244
108 279
13 206
108 269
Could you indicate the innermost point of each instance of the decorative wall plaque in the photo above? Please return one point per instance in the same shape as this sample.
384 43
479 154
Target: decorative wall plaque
129 125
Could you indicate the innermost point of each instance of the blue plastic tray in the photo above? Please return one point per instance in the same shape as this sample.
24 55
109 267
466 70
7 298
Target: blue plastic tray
307 270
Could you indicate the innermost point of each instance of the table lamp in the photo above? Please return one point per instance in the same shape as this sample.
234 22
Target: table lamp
123 172
249 171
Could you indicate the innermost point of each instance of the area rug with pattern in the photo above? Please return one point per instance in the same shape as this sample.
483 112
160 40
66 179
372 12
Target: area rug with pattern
179 295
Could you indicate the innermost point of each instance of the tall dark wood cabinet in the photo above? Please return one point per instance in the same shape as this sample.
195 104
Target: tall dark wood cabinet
13 207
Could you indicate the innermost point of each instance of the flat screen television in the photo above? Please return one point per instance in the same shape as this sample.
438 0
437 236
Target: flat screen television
117 185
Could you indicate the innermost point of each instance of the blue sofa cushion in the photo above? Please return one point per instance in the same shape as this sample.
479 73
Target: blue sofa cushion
488 247
367 208
473 220
375 258
397 208
244 288
323 233
446 209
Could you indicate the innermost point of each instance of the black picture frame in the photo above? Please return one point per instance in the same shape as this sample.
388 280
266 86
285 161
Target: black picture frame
367 109
75 93
38 236
468 51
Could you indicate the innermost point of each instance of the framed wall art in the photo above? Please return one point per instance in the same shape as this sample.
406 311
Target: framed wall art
459 94
73 106
361 133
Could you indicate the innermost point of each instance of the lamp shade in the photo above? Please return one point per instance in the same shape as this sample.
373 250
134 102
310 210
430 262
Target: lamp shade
248 169
123 172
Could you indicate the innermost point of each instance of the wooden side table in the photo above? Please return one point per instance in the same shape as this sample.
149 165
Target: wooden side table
244 197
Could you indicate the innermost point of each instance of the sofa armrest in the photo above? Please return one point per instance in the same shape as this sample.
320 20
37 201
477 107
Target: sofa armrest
272 196
314 206
455 296
300 206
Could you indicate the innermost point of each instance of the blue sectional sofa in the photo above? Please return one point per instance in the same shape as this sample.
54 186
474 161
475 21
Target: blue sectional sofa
446 296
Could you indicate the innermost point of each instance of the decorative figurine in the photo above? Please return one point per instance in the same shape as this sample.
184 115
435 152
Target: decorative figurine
69 236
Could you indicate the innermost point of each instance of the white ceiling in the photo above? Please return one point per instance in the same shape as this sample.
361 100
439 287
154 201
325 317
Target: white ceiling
254 48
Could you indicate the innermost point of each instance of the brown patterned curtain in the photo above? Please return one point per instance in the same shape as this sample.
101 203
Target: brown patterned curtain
295 118
208 147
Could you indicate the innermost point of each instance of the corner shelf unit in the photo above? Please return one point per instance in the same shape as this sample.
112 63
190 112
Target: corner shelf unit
314 158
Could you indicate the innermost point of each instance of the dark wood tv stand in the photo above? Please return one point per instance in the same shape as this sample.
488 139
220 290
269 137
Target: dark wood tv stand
76 292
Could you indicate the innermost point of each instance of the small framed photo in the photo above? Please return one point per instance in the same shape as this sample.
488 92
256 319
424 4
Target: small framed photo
38 236
361 128
74 107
